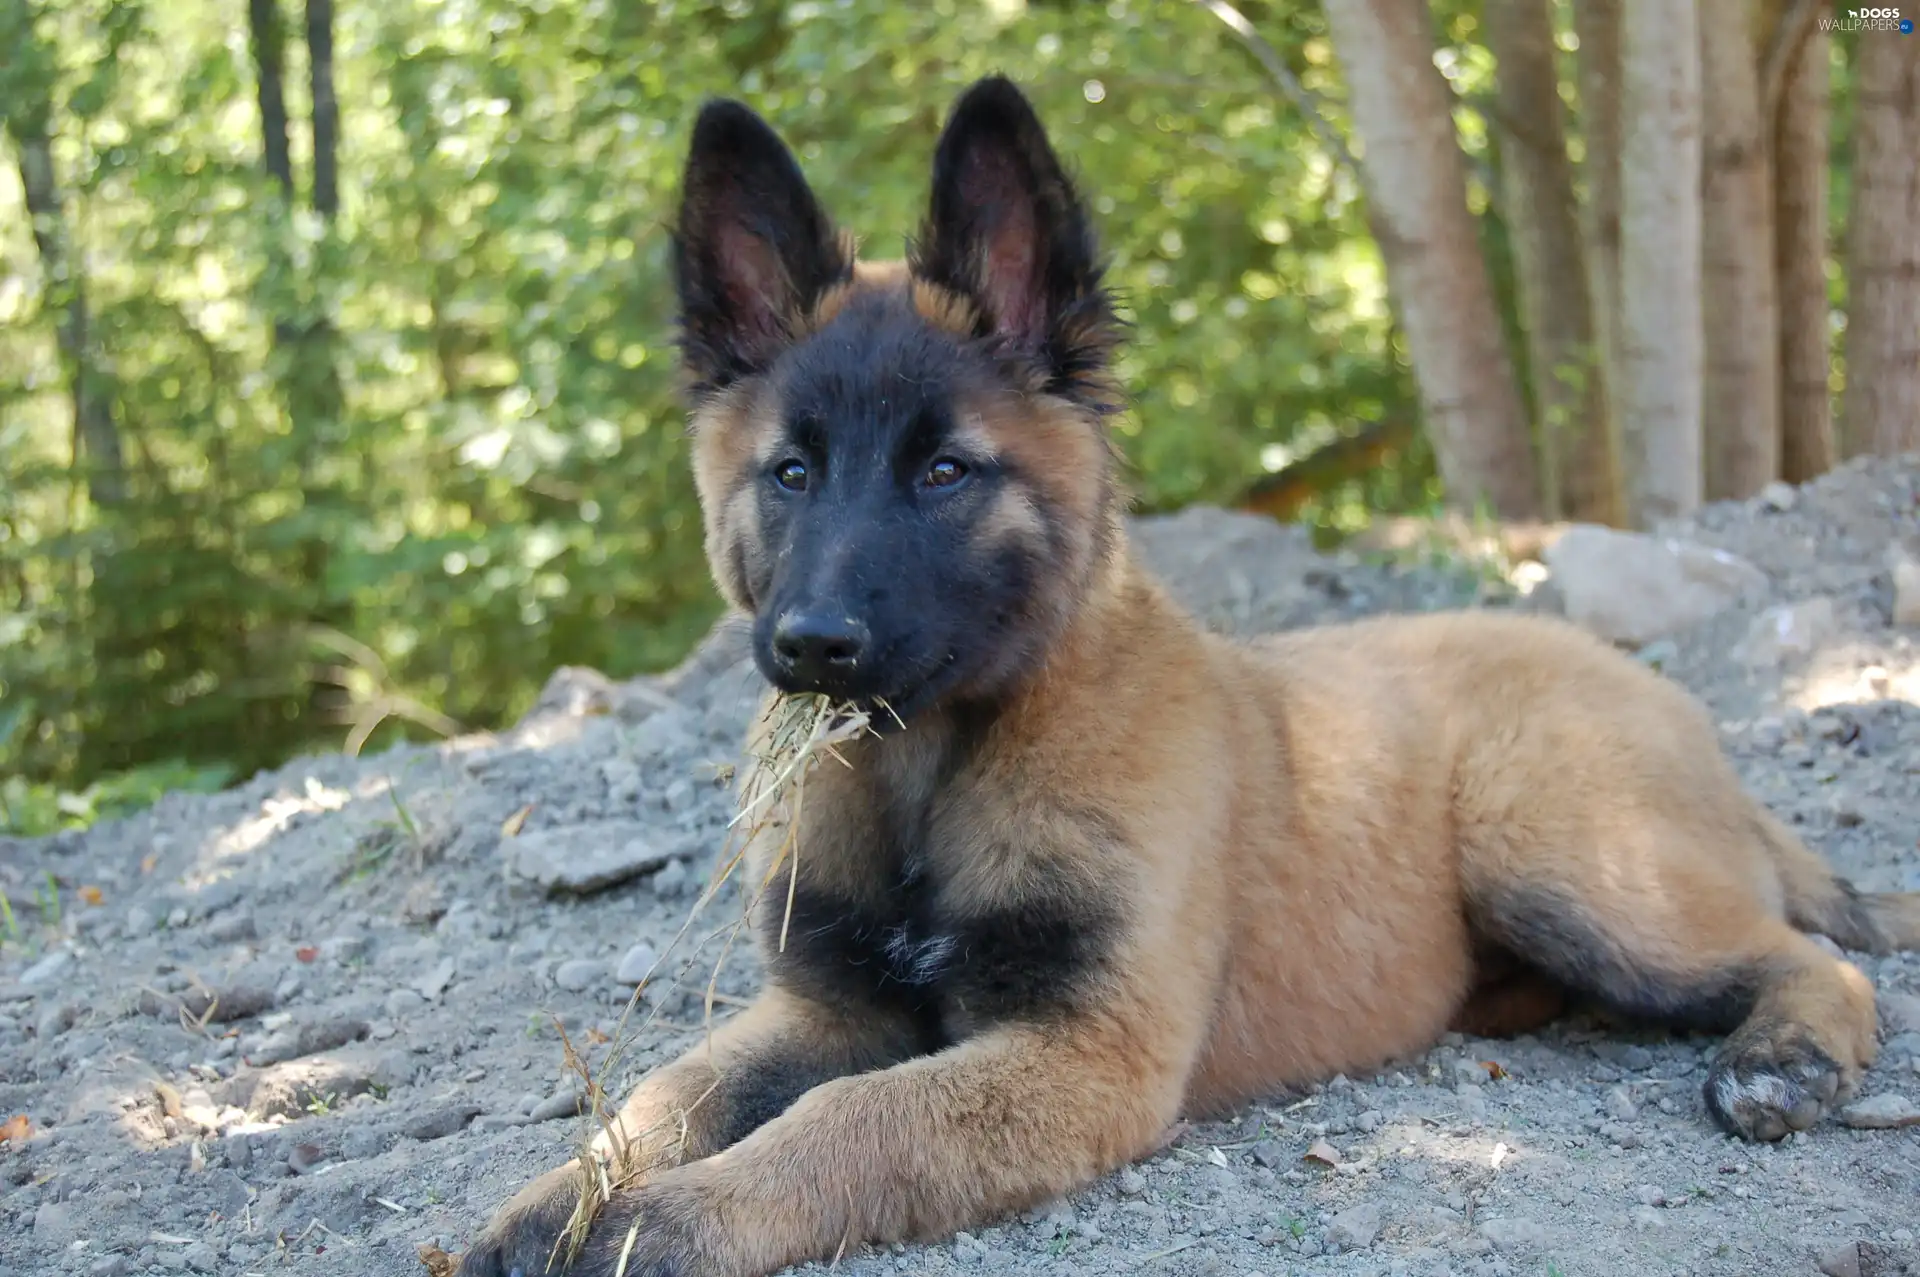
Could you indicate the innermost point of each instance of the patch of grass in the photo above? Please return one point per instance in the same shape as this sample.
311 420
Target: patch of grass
7 922
32 809
320 1105
47 896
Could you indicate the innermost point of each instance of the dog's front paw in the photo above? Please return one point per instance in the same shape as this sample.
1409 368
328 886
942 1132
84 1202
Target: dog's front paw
1772 1077
528 1232
651 1231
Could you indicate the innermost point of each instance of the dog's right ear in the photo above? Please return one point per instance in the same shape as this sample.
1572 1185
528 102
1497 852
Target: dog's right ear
752 248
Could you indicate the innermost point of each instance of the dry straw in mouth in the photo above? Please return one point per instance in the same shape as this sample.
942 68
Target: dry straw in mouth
799 731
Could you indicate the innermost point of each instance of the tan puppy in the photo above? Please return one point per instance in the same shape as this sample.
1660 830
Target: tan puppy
1111 869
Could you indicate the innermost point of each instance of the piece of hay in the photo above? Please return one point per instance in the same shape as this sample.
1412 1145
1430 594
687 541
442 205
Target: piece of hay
797 732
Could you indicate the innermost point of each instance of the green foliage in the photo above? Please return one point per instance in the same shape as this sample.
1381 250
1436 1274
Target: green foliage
440 432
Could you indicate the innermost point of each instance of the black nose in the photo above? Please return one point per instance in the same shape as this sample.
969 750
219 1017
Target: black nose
819 647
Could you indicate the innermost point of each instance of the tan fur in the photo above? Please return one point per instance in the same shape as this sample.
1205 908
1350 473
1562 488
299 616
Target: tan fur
1303 843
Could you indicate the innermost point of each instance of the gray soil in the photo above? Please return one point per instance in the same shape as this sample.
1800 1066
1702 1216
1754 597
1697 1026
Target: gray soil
381 1064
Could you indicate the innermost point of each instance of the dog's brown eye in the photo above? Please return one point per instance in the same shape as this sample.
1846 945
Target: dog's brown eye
792 475
945 472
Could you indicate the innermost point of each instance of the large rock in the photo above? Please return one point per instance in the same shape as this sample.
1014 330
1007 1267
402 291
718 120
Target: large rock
590 857
1629 587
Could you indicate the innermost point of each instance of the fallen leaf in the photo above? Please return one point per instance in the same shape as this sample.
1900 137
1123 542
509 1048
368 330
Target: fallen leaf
510 828
1494 1070
595 1036
148 861
438 1262
1324 1153
18 1128
92 895
306 953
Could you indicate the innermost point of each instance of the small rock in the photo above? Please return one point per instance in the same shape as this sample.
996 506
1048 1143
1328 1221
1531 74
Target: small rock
439 1123
436 979
47 969
54 1226
1883 1112
1467 1072
310 1038
1786 630
1356 1227
1270 1154
1631 587
1649 1195
576 975
1778 497
1900 1012
563 1103
1906 588
305 1157
585 858
1512 1233
1620 1105
404 1004
672 881
140 921
232 928
110 1266
636 963
1637 1058
201 1258
1841 1261
55 1020
1133 1183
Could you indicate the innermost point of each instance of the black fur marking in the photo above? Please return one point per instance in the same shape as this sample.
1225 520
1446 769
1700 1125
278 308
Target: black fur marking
753 250
755 1090
1545 928
1006 230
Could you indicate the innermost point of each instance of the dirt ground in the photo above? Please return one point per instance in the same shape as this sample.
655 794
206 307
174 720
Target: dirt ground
381 1066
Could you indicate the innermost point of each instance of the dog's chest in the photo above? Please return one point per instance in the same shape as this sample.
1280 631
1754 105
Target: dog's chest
912 949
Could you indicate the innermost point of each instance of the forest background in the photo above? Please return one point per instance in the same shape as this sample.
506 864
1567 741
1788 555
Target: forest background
337 389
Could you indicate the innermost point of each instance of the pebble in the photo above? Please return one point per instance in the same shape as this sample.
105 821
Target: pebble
437 1124
1841 1261
54 1226
1133 1183
1620 1106
1510 1232
201 1258
140 921
47 969
404 1004
1649 1195
562 1103
110 1266
232 928
576 975
435 980
673 881
1637 1058
1356 1227
1900 1012
1883 1112
636 963
1778 497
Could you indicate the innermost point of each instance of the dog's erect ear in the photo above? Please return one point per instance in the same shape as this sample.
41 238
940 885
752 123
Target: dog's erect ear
752 248
1006 230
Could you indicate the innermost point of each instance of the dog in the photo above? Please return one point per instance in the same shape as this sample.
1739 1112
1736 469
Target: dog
1100 869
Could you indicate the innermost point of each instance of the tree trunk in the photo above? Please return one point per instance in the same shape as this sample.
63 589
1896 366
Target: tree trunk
269 38
1800 258
1740 409
1415 179
26 108
1881 410
1578 476
1597 24
326 109
1661 329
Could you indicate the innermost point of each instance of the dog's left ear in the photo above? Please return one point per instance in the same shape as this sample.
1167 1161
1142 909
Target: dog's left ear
1006 230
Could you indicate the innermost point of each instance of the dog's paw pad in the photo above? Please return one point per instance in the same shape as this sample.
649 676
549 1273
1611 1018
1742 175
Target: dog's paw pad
1772 1079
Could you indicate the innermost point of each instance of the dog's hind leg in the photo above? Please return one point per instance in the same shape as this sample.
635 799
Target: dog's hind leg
1660 927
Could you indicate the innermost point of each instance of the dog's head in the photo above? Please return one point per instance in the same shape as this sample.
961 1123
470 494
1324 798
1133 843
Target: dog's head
903 468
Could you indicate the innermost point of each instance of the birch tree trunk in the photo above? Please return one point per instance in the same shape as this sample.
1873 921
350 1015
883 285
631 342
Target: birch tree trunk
1800 255
1577 463
1415 179
1740 410
1881 410
1661 327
